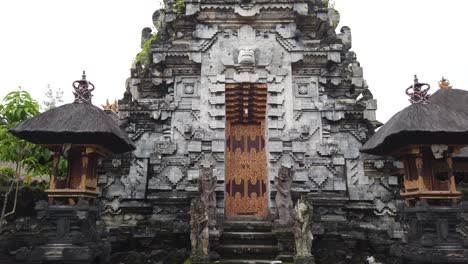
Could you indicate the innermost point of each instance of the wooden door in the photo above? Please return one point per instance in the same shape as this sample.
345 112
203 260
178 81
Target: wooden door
246 167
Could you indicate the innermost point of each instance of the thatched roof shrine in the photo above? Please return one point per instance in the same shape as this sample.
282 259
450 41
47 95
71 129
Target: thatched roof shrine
77 123
443 120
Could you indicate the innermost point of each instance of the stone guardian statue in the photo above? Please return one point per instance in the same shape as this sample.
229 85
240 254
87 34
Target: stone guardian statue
303 232
284 205
199 233
207 187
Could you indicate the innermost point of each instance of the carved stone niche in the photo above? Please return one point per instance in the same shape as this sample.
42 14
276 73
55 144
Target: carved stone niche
187 87
306 87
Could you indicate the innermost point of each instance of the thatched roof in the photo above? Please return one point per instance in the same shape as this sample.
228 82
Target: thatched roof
75 123
444 120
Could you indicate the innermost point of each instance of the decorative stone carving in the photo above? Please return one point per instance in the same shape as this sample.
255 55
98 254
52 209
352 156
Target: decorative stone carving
303 232
175 175
131 128
319 176
189 89
116 163
283 199
207 186
145 35
199 234
135 181
303 90
246 56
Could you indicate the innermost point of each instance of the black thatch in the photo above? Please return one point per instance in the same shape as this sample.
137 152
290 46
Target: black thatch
76 123
444 120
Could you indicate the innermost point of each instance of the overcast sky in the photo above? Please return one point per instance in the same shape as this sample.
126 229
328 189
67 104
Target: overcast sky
52 41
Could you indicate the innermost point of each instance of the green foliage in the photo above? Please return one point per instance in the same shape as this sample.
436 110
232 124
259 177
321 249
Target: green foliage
187 261
179 7
16 107
62 168
144 57
6 175
333 15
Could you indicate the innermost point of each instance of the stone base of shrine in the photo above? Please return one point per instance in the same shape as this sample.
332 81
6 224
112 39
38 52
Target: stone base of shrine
64 253
69 235
200 259
304 260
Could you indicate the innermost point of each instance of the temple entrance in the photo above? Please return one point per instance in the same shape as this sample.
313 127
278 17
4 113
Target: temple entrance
246 167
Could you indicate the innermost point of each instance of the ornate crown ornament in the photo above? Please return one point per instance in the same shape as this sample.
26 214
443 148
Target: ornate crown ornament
111 107
444 84
82 91
420 92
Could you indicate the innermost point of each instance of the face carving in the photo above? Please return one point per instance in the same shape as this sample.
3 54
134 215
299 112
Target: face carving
246 56
284 174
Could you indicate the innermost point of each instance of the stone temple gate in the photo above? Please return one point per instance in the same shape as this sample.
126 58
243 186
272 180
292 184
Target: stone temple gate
245 88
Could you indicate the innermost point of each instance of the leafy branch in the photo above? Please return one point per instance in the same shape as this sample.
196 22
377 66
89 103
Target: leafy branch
16 107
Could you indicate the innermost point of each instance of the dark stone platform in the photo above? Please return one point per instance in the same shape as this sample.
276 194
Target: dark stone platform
436 233
304 260
70 236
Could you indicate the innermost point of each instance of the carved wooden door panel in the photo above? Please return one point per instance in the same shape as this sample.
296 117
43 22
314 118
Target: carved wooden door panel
246 167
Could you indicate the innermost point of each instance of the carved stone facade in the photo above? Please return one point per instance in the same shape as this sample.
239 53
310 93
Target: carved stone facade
319 112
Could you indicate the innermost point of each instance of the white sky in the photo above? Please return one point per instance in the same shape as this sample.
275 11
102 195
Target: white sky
52 41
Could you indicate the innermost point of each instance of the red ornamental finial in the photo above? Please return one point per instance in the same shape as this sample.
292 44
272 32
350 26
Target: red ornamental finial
82 91
419 93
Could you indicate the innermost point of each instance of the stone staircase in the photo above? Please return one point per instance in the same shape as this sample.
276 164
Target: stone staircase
249 242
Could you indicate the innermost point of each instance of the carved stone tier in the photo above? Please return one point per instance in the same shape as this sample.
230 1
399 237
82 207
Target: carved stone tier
71 236
436 234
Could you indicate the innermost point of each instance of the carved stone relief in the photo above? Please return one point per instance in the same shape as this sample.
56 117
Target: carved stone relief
135 181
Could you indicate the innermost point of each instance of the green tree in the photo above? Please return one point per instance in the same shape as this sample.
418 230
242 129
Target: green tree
16 107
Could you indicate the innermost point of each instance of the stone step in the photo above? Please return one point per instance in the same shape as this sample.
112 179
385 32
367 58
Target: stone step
256 238
248 251
248 261
260 226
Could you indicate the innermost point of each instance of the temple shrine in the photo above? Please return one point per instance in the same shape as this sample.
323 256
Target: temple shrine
254 140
